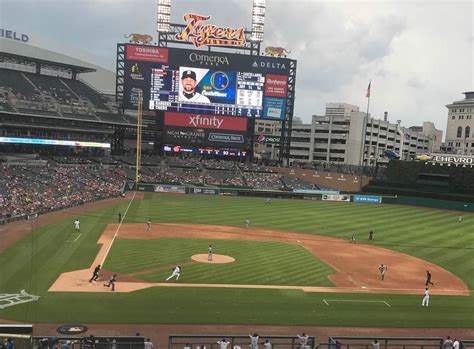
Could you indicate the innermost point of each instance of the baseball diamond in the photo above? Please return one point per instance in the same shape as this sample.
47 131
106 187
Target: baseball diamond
283 176
296 254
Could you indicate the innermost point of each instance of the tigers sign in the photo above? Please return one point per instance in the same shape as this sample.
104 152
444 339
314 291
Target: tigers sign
201 34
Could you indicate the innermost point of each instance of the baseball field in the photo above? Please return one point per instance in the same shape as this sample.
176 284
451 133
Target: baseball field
293 265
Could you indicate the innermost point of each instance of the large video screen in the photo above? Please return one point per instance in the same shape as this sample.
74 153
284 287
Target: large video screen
211 83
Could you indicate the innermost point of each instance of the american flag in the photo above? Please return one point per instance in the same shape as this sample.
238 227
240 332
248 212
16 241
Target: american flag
368 90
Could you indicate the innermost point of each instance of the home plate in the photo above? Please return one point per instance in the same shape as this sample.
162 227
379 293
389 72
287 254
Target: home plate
363 287
299 241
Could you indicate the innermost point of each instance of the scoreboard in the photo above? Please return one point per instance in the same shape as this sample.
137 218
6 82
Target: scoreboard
212 83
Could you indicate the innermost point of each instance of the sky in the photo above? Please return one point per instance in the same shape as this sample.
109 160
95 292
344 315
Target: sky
418 54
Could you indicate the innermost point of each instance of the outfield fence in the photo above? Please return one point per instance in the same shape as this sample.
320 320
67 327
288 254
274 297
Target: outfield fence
236 342
347 342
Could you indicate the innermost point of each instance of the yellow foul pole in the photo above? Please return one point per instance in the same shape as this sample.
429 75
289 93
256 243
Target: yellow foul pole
139 138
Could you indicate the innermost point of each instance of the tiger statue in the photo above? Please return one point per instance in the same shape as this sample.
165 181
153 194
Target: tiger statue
140 38
276 51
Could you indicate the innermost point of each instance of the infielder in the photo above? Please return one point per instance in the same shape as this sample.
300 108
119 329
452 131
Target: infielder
148 225
460 219
176 272
77 225
428 279
209 253
247 223
382 270
426 298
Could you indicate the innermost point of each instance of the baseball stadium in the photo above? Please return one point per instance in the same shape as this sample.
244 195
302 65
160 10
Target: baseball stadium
146 215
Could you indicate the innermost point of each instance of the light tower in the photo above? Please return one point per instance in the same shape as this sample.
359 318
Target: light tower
258 20
163 16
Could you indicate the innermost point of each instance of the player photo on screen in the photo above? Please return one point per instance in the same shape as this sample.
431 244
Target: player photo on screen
203 86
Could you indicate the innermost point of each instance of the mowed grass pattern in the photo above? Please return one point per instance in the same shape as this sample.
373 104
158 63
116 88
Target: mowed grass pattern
430 234
257 262
434 235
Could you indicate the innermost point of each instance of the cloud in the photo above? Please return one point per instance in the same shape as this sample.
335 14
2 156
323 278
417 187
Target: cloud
418 54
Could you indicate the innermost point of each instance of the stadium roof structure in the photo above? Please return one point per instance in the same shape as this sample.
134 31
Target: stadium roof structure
26 54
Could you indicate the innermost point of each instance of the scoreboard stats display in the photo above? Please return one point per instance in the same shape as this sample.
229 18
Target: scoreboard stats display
201 82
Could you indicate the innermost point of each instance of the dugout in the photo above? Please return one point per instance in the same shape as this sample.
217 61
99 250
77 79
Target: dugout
19 334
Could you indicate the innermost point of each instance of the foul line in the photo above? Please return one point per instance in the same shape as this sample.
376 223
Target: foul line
326 301
74 239
118 228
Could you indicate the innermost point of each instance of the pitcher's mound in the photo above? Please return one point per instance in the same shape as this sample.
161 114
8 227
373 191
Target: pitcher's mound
216 258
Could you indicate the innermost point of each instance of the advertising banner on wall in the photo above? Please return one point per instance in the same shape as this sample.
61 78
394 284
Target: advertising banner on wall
340 197
175 189
203 191
367 199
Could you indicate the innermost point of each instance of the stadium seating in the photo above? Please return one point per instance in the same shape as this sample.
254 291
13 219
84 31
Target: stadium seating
31 93
15 81
86 92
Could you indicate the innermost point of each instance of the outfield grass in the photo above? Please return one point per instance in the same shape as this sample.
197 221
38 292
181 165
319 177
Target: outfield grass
431 234
256 262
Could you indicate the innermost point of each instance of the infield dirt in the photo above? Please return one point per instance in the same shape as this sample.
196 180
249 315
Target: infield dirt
356 265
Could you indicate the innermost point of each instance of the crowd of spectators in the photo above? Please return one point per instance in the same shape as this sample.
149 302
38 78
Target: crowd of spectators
58 182
30 189
370 171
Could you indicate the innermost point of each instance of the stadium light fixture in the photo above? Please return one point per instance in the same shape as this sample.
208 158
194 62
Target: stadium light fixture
163 16
258 20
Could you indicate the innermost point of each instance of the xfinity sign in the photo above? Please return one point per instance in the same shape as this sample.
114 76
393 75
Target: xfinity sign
205 121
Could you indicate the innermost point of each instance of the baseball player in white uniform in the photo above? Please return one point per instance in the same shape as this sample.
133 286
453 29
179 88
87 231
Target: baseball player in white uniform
426 298
267 344
303 340
77 225
148 225
176 272
223 344
253 341
209 253
247 223
382 270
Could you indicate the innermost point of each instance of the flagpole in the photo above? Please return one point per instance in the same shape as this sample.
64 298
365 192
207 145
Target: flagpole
367 117
365 125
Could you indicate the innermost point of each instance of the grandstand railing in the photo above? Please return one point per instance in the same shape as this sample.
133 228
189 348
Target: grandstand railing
356 342
236 341
99 342
467 343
